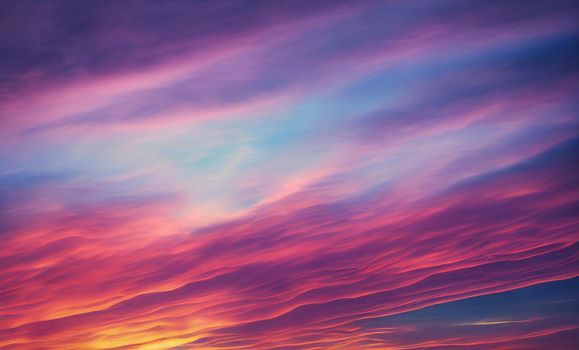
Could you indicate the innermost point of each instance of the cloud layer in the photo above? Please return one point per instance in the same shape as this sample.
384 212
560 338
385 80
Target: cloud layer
288 175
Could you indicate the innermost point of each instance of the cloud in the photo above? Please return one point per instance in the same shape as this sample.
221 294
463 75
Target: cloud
288 175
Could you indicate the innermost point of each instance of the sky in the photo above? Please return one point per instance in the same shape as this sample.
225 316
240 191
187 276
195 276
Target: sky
289 175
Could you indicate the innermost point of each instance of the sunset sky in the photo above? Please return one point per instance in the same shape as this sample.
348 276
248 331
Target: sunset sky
289 175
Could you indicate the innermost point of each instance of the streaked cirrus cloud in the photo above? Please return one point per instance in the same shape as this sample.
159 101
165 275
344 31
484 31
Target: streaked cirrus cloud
289 175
